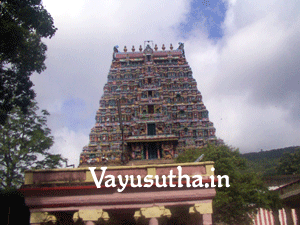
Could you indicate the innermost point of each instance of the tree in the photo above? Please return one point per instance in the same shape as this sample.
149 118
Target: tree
289 164
24 144
22 26
238 203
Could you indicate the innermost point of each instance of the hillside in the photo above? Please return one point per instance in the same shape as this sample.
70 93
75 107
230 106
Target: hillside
265 162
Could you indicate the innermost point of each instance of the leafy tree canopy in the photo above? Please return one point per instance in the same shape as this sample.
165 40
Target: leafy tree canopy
22 25
238 203
24 144
289 164
267 162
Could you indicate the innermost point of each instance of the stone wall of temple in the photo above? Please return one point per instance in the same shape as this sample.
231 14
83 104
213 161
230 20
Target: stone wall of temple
154 94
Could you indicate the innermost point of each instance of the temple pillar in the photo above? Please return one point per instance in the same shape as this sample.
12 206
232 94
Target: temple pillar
153 221
289 217
147 153
207 219
90 216
276 217
205 209
89 223
37 218
297 210
153 214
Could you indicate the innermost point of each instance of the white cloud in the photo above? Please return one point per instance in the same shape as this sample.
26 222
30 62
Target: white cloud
250 78
80 54
69 144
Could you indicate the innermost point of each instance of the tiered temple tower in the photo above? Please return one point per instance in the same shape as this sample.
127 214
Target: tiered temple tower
155 95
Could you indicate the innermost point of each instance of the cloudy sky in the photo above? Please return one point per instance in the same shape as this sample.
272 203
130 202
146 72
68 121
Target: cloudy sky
245 56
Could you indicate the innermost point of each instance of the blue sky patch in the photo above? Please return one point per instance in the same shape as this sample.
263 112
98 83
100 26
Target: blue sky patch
207 16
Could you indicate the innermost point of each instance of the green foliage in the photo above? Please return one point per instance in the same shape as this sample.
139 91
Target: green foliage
24 144
289 164
247 192
267 162
189 155
22 25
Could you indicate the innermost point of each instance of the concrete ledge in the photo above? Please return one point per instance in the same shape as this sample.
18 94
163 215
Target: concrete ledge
80 175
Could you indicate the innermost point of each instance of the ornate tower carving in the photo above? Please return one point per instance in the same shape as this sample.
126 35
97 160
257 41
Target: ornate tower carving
161 109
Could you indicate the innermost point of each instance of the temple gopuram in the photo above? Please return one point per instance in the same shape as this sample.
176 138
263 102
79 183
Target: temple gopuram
151 109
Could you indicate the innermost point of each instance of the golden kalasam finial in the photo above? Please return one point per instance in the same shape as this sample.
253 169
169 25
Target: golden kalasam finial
125 49
171 46
163 47
155 47
141 49
133 49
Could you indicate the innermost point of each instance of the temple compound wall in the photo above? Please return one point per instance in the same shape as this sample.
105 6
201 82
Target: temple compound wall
70 196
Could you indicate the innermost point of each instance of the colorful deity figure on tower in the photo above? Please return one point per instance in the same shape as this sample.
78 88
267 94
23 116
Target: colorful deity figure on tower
151 109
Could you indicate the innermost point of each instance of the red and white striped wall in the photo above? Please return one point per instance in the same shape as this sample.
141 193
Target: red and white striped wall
265 217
